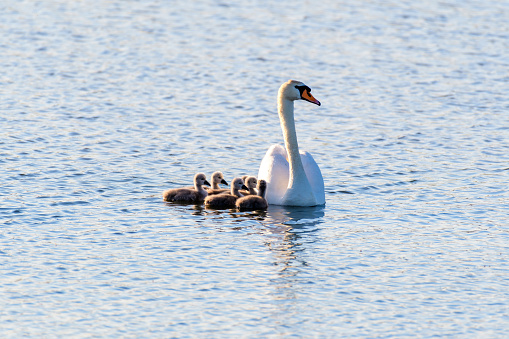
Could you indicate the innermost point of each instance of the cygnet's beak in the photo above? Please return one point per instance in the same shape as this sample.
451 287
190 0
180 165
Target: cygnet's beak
207 183
244 187
306 95
224 182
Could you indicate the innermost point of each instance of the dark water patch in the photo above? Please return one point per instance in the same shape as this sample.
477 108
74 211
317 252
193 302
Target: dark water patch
70 203
339 191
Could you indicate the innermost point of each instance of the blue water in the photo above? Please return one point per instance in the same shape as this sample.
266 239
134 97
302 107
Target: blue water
105 104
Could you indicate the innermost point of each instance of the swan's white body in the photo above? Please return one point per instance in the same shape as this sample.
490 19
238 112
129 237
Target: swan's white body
293 177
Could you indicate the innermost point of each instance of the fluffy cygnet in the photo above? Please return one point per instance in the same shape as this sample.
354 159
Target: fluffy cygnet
254 202
223 201
188 195
217 178
250 183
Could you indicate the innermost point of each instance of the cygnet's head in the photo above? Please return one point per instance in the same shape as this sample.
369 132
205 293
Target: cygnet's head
250 182
262 184
218 178
238 184
262 187
200 179
296 90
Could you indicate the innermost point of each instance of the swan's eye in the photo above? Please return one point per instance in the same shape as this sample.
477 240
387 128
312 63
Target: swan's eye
303 88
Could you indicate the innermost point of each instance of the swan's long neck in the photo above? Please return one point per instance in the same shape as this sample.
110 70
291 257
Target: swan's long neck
215 185
285 109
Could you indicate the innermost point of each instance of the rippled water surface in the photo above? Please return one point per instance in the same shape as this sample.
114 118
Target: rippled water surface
105 104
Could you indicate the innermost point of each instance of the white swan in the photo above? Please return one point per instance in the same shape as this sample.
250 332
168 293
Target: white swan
293 178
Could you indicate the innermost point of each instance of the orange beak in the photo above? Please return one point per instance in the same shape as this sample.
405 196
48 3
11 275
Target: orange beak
308 97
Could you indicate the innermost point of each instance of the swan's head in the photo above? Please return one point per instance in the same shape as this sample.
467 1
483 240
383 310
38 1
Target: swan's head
250 182
296 90
218 178
238 184
200 179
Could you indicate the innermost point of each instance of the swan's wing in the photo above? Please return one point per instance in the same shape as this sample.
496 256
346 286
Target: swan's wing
275 169
314 176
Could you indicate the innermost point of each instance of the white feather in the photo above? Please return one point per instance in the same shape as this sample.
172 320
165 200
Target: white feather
275 170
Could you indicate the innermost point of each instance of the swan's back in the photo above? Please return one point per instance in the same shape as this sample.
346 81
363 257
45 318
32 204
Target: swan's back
275 170
314 176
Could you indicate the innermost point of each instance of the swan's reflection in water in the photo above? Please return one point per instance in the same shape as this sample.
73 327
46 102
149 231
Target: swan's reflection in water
286 231
309 216
289 229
